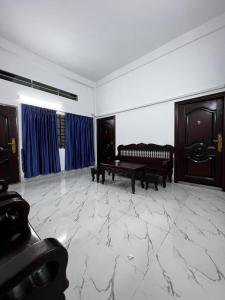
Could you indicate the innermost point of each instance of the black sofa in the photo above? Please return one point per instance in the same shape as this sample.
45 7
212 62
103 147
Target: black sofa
30 268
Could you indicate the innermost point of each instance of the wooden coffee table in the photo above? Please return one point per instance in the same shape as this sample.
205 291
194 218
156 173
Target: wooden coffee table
126 168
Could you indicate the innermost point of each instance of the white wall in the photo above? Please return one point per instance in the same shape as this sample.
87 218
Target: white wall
151 124
28 65
188 65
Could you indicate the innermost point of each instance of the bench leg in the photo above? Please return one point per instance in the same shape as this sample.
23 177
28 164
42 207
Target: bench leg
113 176
133 184
156 185
103 176
142 179
146 185
98 175
164 181
93 175
170 176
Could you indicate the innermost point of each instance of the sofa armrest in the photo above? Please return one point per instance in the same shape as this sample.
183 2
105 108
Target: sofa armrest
13 219
9 195
41 266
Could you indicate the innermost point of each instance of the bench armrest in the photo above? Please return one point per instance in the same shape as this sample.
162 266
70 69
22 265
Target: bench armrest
167 162
3 185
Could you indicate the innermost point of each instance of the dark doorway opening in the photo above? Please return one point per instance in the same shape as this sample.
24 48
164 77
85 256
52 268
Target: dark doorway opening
106 139
199 136
9 156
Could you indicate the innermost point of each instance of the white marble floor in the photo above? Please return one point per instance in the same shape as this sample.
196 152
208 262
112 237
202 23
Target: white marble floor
153 245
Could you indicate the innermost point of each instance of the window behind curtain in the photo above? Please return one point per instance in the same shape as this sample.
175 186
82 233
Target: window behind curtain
61 130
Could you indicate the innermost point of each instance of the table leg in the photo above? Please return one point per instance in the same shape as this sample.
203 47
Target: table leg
133 183
103 175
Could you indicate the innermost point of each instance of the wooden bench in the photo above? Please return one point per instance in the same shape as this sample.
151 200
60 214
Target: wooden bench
30 268
156 158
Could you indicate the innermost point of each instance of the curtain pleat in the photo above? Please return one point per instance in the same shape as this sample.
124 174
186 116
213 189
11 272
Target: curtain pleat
40 153
79 142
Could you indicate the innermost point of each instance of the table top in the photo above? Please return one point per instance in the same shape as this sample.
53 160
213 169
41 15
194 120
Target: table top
123 165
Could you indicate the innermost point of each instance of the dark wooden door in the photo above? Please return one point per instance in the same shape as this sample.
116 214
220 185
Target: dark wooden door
9 162
106 139
198 141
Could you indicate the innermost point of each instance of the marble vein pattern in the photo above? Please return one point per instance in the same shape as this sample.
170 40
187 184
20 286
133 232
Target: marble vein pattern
153 245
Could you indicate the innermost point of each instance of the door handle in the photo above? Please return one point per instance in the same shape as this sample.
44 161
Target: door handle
13 145
219 142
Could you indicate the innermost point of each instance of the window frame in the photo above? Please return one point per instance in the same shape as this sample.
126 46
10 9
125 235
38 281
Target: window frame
61 130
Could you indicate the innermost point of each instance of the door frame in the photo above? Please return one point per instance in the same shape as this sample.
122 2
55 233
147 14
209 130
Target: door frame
97 121
18 134
176 131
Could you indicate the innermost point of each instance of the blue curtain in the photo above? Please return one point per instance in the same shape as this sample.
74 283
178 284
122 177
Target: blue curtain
79 142
40 153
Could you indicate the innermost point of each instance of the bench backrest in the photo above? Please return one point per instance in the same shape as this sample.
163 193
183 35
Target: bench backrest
146 154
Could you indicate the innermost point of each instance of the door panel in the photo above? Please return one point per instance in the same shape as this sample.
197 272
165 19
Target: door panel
200 120
198 158
106 139
9 164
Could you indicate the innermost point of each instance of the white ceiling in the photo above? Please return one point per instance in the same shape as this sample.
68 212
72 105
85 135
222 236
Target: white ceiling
95 37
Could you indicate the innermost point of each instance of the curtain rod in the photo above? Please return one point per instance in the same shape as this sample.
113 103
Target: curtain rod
61 112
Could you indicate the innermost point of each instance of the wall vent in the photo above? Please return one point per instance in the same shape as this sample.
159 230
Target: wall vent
36 85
